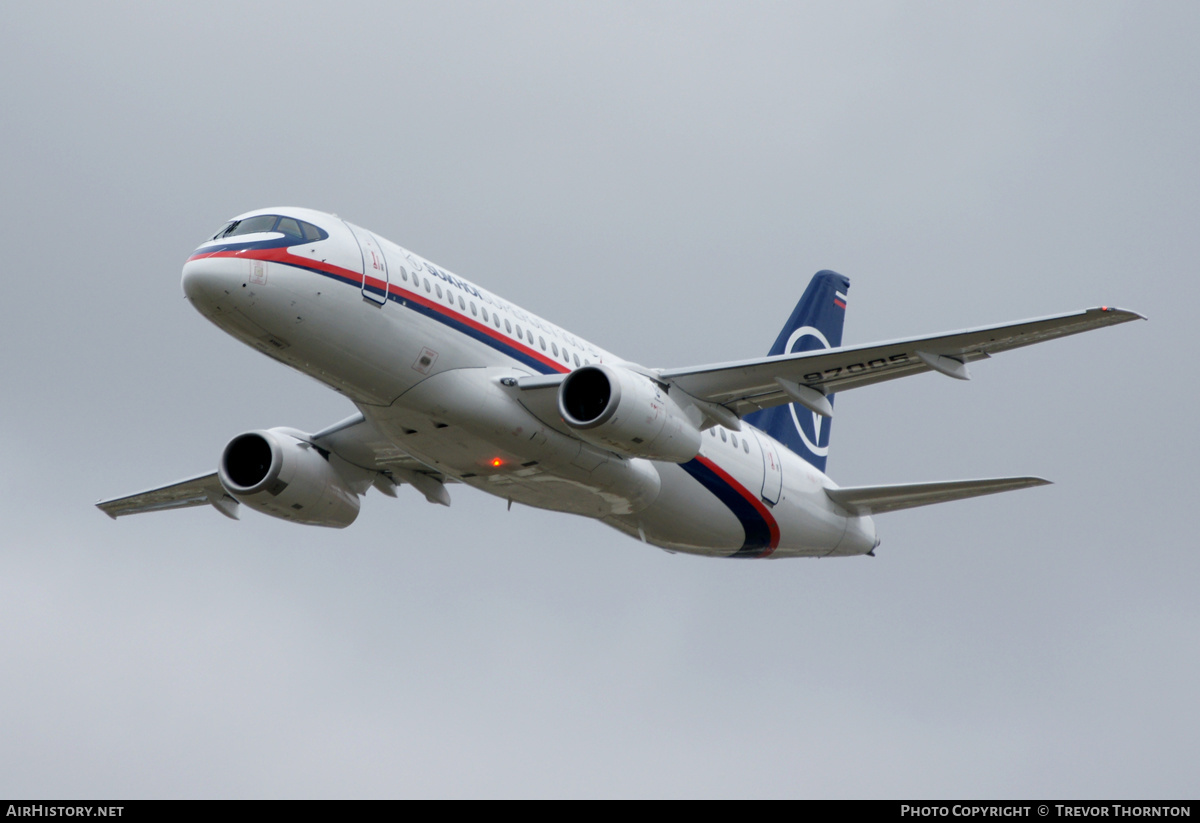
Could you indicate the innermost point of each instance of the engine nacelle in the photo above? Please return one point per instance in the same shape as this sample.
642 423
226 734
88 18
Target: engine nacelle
278 474
628 413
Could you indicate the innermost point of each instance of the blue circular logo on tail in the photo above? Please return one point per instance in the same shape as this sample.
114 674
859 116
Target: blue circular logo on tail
812 427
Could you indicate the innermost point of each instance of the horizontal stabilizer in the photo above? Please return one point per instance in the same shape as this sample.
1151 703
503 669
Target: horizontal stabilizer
880 499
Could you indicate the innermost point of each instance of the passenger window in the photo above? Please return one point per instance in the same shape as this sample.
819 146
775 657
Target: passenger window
554 347
745 445
438 286
520 333
496 320
541 342
403 274
508 325
733 437
724 439
427 288
473 312
485 314
575 357
462 304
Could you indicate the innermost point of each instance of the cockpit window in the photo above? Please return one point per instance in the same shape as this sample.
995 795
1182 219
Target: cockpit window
253 225
289 226
221 231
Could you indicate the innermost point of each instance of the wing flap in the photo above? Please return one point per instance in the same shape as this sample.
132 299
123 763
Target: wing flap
880 499
748 385
360 442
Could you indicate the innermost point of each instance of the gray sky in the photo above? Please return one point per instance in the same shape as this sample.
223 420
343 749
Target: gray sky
661 179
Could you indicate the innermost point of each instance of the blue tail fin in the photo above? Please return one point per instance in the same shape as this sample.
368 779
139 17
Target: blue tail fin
816 323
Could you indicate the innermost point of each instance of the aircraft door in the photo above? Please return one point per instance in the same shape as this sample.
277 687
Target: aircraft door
772 468
374 266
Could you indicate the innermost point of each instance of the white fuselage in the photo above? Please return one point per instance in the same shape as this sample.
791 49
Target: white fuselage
432 362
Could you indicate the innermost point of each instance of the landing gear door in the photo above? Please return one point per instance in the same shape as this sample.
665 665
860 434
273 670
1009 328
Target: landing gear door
772 469
374 266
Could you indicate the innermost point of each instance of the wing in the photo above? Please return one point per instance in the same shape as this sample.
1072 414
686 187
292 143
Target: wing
880 499
748 385
204 489
354 440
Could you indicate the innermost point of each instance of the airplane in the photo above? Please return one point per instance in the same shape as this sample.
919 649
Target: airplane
455 385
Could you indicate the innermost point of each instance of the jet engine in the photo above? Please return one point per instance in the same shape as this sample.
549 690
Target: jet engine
626 412
278 474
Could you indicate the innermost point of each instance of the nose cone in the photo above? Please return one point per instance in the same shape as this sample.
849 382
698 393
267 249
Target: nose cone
211 284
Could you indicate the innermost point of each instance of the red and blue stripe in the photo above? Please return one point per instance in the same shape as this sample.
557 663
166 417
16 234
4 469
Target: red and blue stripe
274 252
760 527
